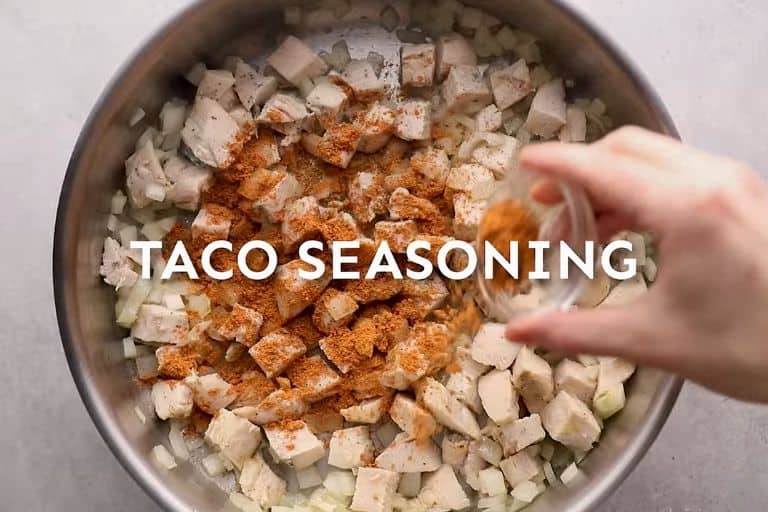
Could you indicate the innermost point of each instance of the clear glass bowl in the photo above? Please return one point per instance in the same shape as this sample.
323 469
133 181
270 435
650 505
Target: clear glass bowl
571 221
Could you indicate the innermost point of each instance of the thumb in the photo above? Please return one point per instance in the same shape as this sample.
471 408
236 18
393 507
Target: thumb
611 331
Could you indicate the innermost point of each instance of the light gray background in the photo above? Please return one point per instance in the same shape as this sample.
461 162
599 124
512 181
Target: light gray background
708 60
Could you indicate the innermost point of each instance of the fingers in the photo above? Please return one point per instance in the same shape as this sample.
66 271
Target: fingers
546 192
612 331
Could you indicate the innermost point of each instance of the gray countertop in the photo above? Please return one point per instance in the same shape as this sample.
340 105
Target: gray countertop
706 59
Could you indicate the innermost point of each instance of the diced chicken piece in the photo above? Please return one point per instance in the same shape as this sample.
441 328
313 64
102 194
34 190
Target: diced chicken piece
235 437
327 100
492 482
278 405
410 485
145 174
215 83
116 265
210 392
453 50
361 77
241 325
374 490
368 411
548 110
615 369
260 483
448 410
283 108
160 325
442 491
270 192
426 349
412 418
413 120
498 396
397 234
351 448
417 65
252 87
212 221
408 455
301 221
313 377
489 119
172 399
404 205
337 146
276 351
188 182
211 133
490 346
522 433
575 129
626 292
421 297
519 468
293 293
432 163
294 443
334 309
367 196
511 84
570 422
465 90
576 379
474 180
296 61
501 156
464 387
454 449
376 127
339 226
473 464
532 376
471 368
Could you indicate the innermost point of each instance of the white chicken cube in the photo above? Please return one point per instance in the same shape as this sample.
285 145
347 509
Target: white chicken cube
376 127
275 407
270 192
575 129
447 409
413 120
454 449
283 108
368 411
473 464
470 367
522 433
361 77
490 347
235 437
511 84
488 119
412 418
432 163
532 376
172 399
144 173
215 83
615 369
210 222
337 146
294 443
242 325
492 482
260 483
570 422
252 87
294 293
465 90
276 351
211 133
351 448
374 490
498 396
417 65
398 234
467 216
301 221
334 309
159 324
367 196
474 180
453 50
313 377
548 110
295 61
188 182
116 265
442 491
576 379
464 387
327 100
501 156
408 455
520 467
210 392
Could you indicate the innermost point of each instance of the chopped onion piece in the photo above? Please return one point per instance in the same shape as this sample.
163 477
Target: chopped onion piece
128 234
550 474
195 73
142 215
140 414
118 202
156 230
155 192
178 446
133 302
199 304
173 301
525 491
492 502
213 465
308 477
163 457
194 442
242 502
147 367
113 223
340 483
507 38
569 474
129 348
389 18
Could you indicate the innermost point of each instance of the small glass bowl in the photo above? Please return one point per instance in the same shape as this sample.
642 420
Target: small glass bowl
571 221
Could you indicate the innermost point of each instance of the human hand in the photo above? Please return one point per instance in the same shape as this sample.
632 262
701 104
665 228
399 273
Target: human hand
704 317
